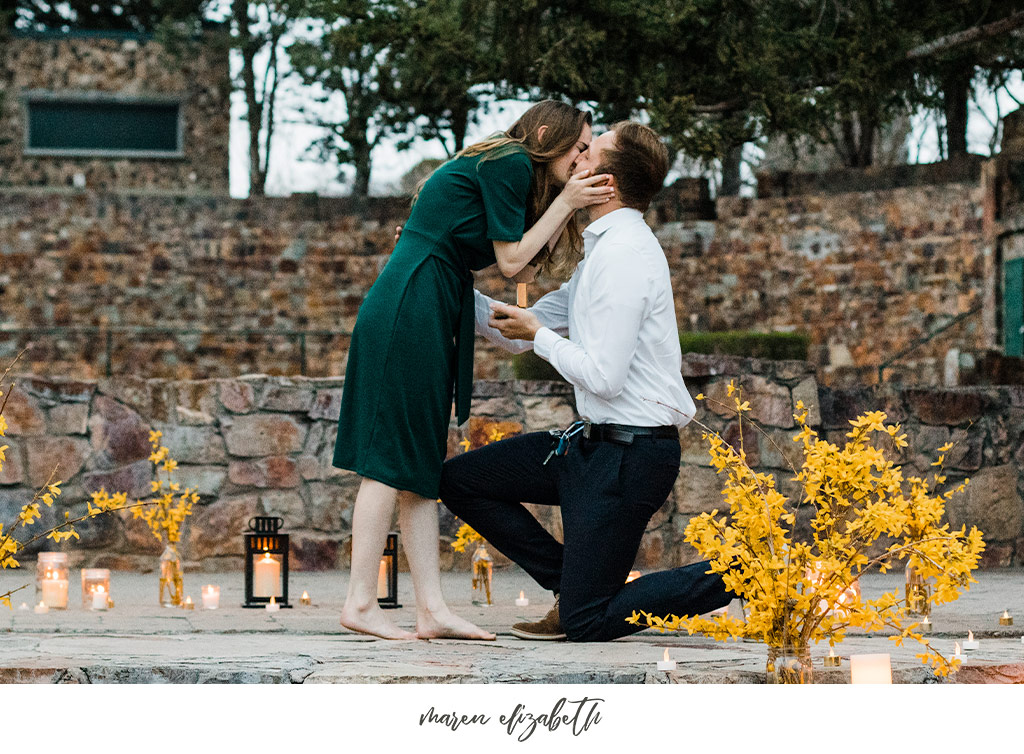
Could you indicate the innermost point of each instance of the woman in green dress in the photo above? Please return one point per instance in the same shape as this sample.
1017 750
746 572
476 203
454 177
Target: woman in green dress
509 200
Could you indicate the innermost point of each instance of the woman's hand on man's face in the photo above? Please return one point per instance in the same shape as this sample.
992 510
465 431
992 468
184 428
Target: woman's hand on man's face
584 190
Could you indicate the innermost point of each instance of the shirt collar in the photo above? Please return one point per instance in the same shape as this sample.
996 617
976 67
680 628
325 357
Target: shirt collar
597 228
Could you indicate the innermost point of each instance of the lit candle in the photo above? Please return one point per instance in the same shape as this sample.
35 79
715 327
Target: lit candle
521 295
971 642
41 608
926 625
188 604
832 661
522 601
24 606
272 606
266 576
633 576
211 597
956 650
1005 619
666 663
870 669
99 598
305 600
382 579
55 591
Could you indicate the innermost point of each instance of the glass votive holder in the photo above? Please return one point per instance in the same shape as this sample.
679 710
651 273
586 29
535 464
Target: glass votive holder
52 579
92 580
211 597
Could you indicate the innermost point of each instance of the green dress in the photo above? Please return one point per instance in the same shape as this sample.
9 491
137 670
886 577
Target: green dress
412 345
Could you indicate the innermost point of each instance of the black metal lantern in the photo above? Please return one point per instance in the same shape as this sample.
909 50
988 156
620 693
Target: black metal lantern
266 562
387 578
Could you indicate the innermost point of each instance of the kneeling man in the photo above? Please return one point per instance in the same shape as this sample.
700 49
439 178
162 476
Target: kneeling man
611 472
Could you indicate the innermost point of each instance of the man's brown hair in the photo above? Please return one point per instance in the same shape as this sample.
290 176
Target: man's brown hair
639 162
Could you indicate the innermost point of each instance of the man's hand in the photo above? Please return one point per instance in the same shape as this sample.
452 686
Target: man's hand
514 323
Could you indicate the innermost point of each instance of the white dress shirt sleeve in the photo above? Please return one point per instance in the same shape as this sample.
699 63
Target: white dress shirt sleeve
552 310
613 296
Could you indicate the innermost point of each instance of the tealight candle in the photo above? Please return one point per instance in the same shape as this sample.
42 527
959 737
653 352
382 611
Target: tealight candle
832 661
41 608
971 642
211 597
24 606
666 663
926 625
305 600
522 601
521 295
99 598
956 650
1005 619
272 606
188 604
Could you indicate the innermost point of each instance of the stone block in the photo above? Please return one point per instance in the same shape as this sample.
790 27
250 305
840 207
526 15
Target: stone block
261 435
237 397
133 479
548 413
840 406
13 471
68 454
807 391
22 412
216 529
925 442
206 481
198 396
326 404
138 537
60 390
193 418
966 453
650 555
287 395
287 504
68 419
699 490
119 435
312 553
193 444
991 502
96 532
531 387
487 389
693 446
331 505
275 471
778 451
745 441
495 408
129 390
949 407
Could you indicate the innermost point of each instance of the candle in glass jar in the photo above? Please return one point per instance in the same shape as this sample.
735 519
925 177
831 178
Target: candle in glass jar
55 591
99 598
305 600
382 579
188 604
266 576
832 661
522 601
211 597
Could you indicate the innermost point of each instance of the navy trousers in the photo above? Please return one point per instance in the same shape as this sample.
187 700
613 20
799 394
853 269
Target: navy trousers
607 493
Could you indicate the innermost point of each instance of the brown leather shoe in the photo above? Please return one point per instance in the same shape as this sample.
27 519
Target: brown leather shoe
548 628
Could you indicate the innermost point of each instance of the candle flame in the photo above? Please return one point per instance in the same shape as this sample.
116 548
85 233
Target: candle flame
188 600
51 574
666 654
100 589
970 636
956 649
522 595
831 652
1006 613
927 619
305 595
273 601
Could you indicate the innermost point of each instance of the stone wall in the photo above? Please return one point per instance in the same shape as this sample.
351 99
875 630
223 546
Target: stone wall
263 445
866 274
124 65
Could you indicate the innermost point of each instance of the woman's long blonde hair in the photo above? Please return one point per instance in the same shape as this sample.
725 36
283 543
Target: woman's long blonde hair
564 125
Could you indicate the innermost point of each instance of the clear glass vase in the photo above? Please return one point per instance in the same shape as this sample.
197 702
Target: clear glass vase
483 567
170 577
789 664
918 593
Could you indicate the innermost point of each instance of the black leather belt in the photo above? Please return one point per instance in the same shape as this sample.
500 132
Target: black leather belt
624 434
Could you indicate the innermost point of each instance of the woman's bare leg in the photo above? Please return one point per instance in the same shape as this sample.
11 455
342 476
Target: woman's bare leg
371 520
434 620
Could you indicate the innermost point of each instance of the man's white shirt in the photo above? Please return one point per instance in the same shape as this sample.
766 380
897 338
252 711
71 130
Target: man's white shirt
622 352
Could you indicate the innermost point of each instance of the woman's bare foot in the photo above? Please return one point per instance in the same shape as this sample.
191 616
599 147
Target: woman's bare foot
373 622
447 625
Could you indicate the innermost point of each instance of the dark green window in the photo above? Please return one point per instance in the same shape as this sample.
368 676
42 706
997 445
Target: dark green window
117 128
1013 307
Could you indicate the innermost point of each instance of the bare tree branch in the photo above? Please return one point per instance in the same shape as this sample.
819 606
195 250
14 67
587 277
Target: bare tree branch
967 36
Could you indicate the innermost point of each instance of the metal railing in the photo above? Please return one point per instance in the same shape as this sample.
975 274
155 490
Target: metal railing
107 333
927 338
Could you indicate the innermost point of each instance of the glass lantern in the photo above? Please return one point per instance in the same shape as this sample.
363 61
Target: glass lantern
266 562
52 579
93 579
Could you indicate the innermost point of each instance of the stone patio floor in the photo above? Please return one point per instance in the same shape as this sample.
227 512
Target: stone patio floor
140 642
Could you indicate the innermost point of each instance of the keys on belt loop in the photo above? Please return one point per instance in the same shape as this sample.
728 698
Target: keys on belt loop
561 446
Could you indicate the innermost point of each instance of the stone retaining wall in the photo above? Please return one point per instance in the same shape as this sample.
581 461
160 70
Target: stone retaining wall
261 444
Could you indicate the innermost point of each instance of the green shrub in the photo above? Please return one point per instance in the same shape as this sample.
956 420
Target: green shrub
772 345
